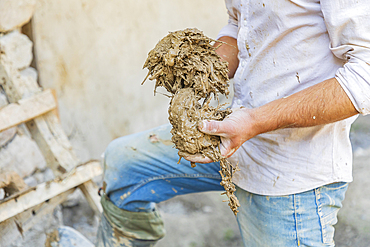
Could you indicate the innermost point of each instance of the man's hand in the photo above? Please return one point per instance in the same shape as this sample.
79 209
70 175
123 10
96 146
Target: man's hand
234 130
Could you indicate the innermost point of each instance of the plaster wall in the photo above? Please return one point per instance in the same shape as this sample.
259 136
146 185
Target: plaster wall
92 52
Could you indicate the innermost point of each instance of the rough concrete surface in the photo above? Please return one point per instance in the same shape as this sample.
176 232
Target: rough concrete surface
199 220
353 228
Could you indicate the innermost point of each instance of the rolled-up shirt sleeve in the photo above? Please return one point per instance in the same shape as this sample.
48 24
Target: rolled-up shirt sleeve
348 25
231 29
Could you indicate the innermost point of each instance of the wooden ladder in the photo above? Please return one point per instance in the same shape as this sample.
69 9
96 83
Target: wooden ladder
37 109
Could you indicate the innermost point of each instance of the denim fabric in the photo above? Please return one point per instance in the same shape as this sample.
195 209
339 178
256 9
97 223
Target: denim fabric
304 219
142 169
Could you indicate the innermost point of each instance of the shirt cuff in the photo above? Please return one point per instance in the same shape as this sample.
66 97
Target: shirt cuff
354 77
230 30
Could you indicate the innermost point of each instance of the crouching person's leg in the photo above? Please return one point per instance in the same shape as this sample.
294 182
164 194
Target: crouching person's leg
120 227
141 170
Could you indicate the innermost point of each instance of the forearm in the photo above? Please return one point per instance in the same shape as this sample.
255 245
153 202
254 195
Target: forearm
322 103
228 52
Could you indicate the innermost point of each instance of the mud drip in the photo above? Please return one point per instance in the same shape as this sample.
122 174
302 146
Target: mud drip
187 65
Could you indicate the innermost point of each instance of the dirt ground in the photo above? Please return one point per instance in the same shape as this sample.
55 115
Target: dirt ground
205 221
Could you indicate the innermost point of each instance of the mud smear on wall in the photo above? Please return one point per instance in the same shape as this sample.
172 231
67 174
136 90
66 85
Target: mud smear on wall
186 64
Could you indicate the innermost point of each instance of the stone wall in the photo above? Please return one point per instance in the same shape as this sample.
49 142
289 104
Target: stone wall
18 152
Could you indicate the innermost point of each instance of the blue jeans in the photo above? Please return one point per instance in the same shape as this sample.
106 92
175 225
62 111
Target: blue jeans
142 169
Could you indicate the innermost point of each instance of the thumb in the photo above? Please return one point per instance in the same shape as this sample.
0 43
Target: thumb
211 127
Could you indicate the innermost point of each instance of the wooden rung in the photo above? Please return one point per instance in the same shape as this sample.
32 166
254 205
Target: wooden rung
15 226
47 131
11 182
43 192
90 190
26 109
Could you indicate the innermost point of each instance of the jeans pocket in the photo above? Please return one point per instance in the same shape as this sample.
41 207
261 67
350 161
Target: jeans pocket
327 227
329 200
327 234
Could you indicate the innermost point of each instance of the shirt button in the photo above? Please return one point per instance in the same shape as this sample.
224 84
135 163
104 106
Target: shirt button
239 101
245 23
244 63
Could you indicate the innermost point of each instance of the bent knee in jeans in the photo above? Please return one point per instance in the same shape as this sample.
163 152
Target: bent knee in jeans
143 168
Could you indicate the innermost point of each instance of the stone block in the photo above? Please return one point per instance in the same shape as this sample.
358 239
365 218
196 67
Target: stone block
17 84
21 155
15 13
30 72
17 48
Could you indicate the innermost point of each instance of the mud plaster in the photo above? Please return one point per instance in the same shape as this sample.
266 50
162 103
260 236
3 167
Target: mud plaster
187 65
52 239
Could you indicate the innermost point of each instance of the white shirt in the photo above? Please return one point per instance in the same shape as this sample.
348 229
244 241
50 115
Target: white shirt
286 46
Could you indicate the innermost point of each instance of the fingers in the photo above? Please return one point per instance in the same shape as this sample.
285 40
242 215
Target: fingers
198 158
212 127
225 148
222 129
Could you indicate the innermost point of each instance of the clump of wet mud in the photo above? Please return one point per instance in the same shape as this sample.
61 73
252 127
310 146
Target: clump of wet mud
187 65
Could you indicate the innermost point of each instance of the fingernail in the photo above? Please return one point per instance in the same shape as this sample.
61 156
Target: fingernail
202 125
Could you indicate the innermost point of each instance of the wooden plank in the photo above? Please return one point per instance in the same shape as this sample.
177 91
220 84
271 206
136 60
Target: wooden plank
11 182
90 191
55 111
15 86
46 130
53 143
26 109
14 227
42 192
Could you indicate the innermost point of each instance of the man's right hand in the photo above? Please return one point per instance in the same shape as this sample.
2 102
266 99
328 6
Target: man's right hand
234 130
